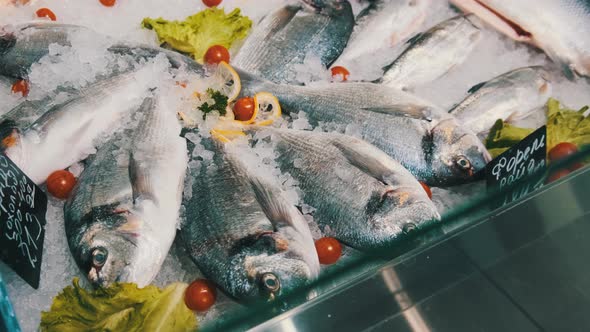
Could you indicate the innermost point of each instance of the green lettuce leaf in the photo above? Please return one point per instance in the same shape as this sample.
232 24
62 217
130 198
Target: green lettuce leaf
503 136
120 307
197 33
566 125
563 125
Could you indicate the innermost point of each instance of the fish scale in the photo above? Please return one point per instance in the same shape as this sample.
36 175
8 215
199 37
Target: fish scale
410 130
285 37
125 208
239 229
371 196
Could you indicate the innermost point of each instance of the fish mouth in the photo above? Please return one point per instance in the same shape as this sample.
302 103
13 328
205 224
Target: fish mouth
495 18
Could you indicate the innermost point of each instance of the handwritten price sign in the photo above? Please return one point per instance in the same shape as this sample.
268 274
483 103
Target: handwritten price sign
520 167
22 222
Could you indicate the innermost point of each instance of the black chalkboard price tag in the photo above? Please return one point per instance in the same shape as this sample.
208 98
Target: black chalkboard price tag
520 168
22 222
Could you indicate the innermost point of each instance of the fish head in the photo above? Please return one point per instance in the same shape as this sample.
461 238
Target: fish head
7 40
457 155
396 212
111 246
272 266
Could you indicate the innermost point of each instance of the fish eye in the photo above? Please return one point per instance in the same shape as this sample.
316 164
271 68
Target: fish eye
270 282
99 256
463 163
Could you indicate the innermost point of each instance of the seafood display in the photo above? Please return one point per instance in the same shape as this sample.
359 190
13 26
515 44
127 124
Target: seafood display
248 146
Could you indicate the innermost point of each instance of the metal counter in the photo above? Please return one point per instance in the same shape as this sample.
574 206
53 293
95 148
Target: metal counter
524 269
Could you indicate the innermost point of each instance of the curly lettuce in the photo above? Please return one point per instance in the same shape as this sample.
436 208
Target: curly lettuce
197 33
120 307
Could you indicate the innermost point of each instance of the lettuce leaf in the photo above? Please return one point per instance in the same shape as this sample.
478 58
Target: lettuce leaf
563 125
503 136
120 307
197 33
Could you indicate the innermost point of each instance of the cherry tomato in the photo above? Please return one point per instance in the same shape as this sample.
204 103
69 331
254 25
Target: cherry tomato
244 109
340 73
211 3
108 3
215 54
562 150
200 295
426 189
181 84
557 175
46 12
21 86
60 183
329 250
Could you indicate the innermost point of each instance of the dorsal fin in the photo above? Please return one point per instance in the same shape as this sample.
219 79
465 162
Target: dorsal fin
476 87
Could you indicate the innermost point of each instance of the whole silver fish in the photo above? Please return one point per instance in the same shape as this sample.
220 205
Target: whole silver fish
365 198
26 44
430 144
433 53
242 233
66 133
512 95
558 27
380 27
285 37
121 218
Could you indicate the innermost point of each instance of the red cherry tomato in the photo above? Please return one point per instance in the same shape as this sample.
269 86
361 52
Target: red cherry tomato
108 3
557 175
329 250
46 12
244 109
340 73
21 86
426 189
60 183
200 295
216 53
211 3
562 150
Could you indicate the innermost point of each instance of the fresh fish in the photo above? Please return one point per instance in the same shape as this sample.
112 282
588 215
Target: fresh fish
430 144
558 27
285 37
512 95
242 233
66 133
122 216
381 26
364 197
24 45
23 115
433 53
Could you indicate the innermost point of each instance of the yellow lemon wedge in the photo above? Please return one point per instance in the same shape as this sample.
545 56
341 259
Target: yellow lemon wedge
226 135
227 81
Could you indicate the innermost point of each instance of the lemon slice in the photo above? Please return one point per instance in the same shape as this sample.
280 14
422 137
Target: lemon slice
227 81
226 135
267 109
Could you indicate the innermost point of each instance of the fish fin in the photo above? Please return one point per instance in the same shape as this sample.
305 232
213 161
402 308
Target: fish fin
476 87
419 36
410 111
366 158
271 200
140 183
